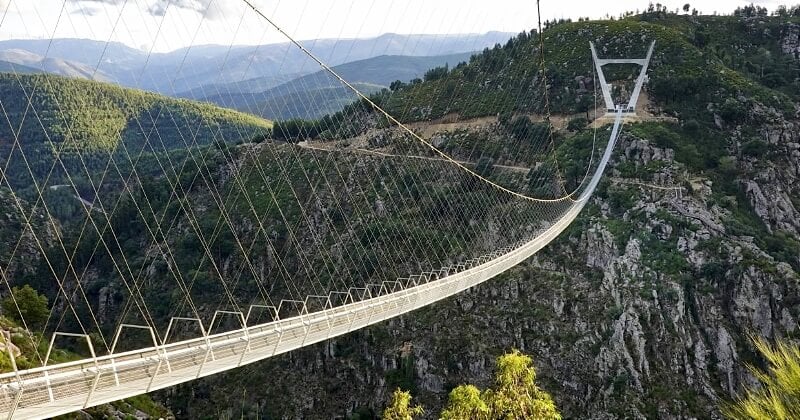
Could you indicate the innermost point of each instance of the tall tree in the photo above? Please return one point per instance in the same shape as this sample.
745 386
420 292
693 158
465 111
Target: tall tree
26 304
400 407
465 403
514 395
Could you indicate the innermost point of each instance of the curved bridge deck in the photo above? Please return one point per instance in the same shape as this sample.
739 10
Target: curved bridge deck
63 388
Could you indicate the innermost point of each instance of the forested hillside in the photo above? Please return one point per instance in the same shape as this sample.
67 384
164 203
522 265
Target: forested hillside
91 116
318 94
693 65
85 123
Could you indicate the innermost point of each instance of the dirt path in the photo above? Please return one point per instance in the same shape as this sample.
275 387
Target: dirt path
452 122
645 111
83 201
320 147
625 181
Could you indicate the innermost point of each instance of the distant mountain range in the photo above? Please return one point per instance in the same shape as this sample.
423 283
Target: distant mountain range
7 67
319 93
190 68
271 80
25 61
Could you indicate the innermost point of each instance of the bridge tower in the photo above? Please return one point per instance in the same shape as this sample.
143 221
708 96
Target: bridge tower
611 107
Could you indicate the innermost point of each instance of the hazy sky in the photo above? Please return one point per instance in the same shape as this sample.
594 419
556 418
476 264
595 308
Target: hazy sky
165 25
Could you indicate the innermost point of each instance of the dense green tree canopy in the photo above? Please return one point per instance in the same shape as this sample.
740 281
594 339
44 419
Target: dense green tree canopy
465 402
26 304
400 407
514 396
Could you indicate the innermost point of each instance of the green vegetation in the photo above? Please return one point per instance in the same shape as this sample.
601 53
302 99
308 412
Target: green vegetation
694 78
129 408
92 116
697 73
86 123
719 99
577 124
700 149
514 395
400 408
26 304
402 377
420 192
778 396
465 402
32 347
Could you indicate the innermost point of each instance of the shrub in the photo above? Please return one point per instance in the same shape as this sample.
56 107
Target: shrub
26 304
733 111
514 395
465 402
577 124
755 148
436 73
400 407
485 166
691 126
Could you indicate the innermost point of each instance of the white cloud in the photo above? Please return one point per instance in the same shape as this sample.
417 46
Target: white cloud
114 2
198 22
210 9
86 10
90 7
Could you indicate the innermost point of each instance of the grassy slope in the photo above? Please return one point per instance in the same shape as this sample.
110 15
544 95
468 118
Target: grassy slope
88 123
94 116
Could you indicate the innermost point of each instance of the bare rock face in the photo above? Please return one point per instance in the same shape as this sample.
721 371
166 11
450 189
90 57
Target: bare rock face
725 354
380 207
772 204
6 346
18 235
104 302
642 152
790 42
601 241
625 351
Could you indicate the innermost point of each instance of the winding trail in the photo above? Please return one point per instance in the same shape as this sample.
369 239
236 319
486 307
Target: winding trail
83 201
318 146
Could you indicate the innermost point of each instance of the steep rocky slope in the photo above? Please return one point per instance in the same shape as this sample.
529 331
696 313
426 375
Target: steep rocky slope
641 310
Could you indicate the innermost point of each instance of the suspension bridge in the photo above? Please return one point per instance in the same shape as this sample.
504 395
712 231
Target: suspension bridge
289 244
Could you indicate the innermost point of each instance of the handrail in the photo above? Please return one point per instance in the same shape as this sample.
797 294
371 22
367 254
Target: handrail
48 391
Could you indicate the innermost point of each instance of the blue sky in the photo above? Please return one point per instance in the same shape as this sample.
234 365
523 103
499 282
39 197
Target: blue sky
165 25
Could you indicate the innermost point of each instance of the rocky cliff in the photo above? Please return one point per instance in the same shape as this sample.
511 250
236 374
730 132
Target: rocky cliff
642 309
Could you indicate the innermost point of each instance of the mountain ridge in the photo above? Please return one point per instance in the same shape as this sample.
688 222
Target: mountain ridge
124 65
323 93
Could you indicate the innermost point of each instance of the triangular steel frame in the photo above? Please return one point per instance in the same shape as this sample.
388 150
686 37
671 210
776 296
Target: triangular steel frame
611 107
